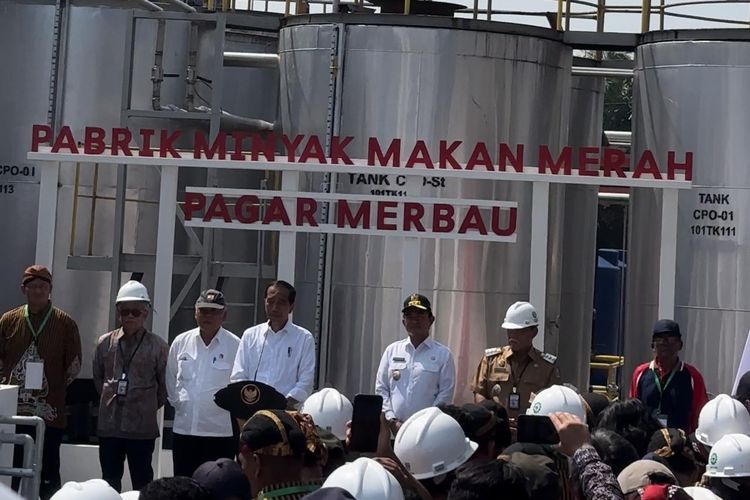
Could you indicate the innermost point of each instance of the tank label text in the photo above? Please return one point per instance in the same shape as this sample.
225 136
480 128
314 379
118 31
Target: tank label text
714 216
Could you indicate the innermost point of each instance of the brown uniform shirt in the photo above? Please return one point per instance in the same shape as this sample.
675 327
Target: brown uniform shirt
132 416
58 345
499 372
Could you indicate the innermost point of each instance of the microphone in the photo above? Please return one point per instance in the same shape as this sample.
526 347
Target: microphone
263 348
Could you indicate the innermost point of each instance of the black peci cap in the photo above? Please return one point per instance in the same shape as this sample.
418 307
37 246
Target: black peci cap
274 433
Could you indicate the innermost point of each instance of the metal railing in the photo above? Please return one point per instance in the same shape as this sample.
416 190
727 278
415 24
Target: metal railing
610 364
565 10
30 471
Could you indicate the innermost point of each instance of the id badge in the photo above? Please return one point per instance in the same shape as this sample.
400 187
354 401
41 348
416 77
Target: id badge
662 418
514 400
34 375
122 387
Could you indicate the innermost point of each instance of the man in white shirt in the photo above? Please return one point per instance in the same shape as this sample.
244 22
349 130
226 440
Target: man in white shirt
417 372
278 352
199 364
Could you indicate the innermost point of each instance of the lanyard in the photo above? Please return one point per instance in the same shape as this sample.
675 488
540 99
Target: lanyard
658 382
290 490
126 366
36 333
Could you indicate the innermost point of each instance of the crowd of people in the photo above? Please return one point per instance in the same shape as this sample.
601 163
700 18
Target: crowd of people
248 424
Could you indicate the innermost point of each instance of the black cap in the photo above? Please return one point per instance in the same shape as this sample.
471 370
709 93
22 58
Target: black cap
503 436
417 301
667 327
243 399
335 493
673 447
479 423
275 433
540 471
668 442
597 403
743 388
529 449
210 299
223 478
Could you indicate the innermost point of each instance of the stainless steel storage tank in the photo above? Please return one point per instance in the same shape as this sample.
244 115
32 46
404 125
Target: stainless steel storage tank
579 236
92 71
690 94
431 79
26 34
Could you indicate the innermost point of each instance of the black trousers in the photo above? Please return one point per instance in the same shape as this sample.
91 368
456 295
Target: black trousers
190 452
50 459
112 454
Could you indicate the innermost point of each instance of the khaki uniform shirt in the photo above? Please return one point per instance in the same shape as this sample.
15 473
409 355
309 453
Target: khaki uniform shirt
132 416
499 372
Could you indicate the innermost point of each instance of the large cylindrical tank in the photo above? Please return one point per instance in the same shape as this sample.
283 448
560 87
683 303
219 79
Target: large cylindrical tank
27 33
579 236
88 91
690 95
430 79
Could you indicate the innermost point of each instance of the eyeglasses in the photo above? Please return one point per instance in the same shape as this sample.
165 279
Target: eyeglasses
209 311
130 312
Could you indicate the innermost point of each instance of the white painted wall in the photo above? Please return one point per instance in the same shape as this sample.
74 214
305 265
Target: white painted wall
80 462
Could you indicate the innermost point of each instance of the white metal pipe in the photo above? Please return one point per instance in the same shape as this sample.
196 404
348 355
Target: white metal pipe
410 252
603 72
182 5
668 253
162 296
538 260
149 5
251 59
619 137
288 239
614 196
47 215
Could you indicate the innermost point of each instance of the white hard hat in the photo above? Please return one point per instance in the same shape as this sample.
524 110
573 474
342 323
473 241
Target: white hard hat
431 443
93 489
730 457
700 493
365 479
132 291
721 416
557 398
330 410
520 315
130 495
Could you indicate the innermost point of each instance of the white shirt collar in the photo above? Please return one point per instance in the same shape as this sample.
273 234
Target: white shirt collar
197 341
427 343
284 329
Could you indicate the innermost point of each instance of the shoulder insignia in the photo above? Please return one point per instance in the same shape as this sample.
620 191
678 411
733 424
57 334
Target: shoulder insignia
549 358
493 351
